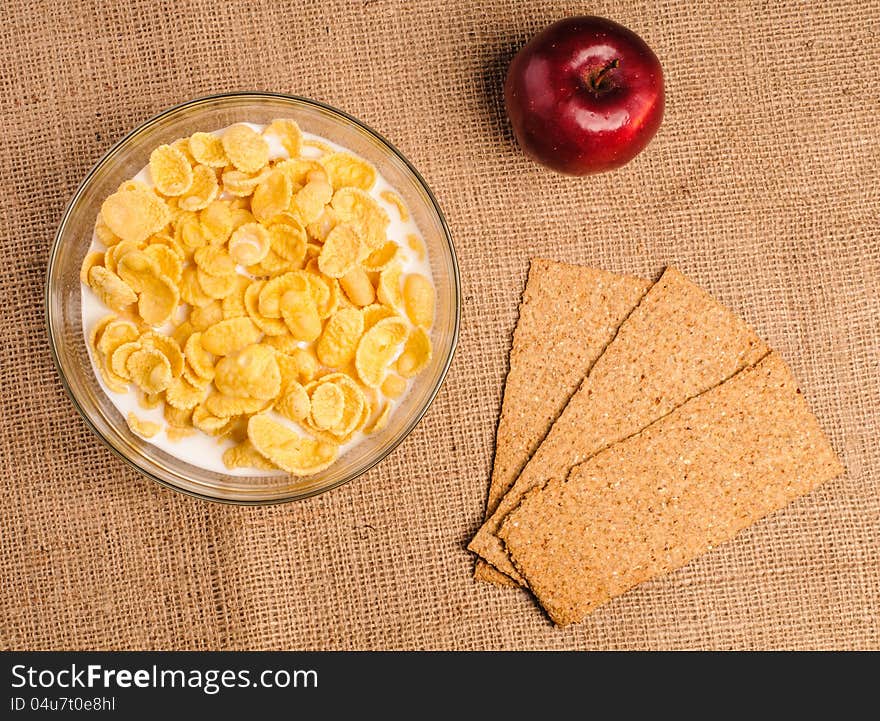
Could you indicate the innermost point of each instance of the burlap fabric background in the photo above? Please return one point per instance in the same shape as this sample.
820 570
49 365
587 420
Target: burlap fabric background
762 185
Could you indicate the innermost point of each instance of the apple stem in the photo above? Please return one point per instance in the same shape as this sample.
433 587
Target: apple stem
596 80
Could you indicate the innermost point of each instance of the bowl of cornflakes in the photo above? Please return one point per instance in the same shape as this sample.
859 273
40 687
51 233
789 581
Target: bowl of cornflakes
253 298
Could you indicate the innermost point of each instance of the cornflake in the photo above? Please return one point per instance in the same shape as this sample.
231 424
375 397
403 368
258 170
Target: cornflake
170 170
345 170
207 149
146 429
246 149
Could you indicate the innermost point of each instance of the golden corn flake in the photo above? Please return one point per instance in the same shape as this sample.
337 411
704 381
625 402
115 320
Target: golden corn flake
269 326
182 333
183 395
188 231
203 190
165 239
273 290
174 209
418 299
340 253
223 406
214 260
167 261
380 421
244 455
297 364
182 146
249 244
381 258
294 404
149 370
288 132
306 362
311 199
200 360
353 414
416 353
415 244
203 318
176 434
389 196
288 450
166 345
216 286
158 299
346 170
207 149
194 378
135 214
272 265
282 343
327 405
229 336
177 417
104 234
300 315
217 222
272 196
191 290
377 349
90 261
240 216
339 341
240 184
298 170
136 268
148 401
170 170
393 386
140 427
388 290
360 210
113 381
246 149
288 240
250 373
98 330
233 304
358 288
374 313
110 288
119 358
112 255
290 216
320 229
325 293
318 145
209 423
114 333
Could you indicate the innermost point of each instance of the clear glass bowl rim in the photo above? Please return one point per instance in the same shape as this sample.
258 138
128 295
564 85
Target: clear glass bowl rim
118 147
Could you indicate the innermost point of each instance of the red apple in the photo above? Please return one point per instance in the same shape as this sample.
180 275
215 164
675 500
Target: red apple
584 96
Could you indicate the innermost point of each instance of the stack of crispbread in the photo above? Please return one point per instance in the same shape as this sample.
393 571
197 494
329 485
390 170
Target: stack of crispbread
641 426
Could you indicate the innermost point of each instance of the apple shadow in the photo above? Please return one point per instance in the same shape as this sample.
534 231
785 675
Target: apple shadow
493 75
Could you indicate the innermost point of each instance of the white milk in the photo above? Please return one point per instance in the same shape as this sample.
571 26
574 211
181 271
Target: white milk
199 448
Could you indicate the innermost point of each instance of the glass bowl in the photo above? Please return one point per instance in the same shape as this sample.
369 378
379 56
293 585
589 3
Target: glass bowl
125 159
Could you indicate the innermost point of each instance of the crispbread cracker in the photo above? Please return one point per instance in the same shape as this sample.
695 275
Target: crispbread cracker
676 344
659 499
568 315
